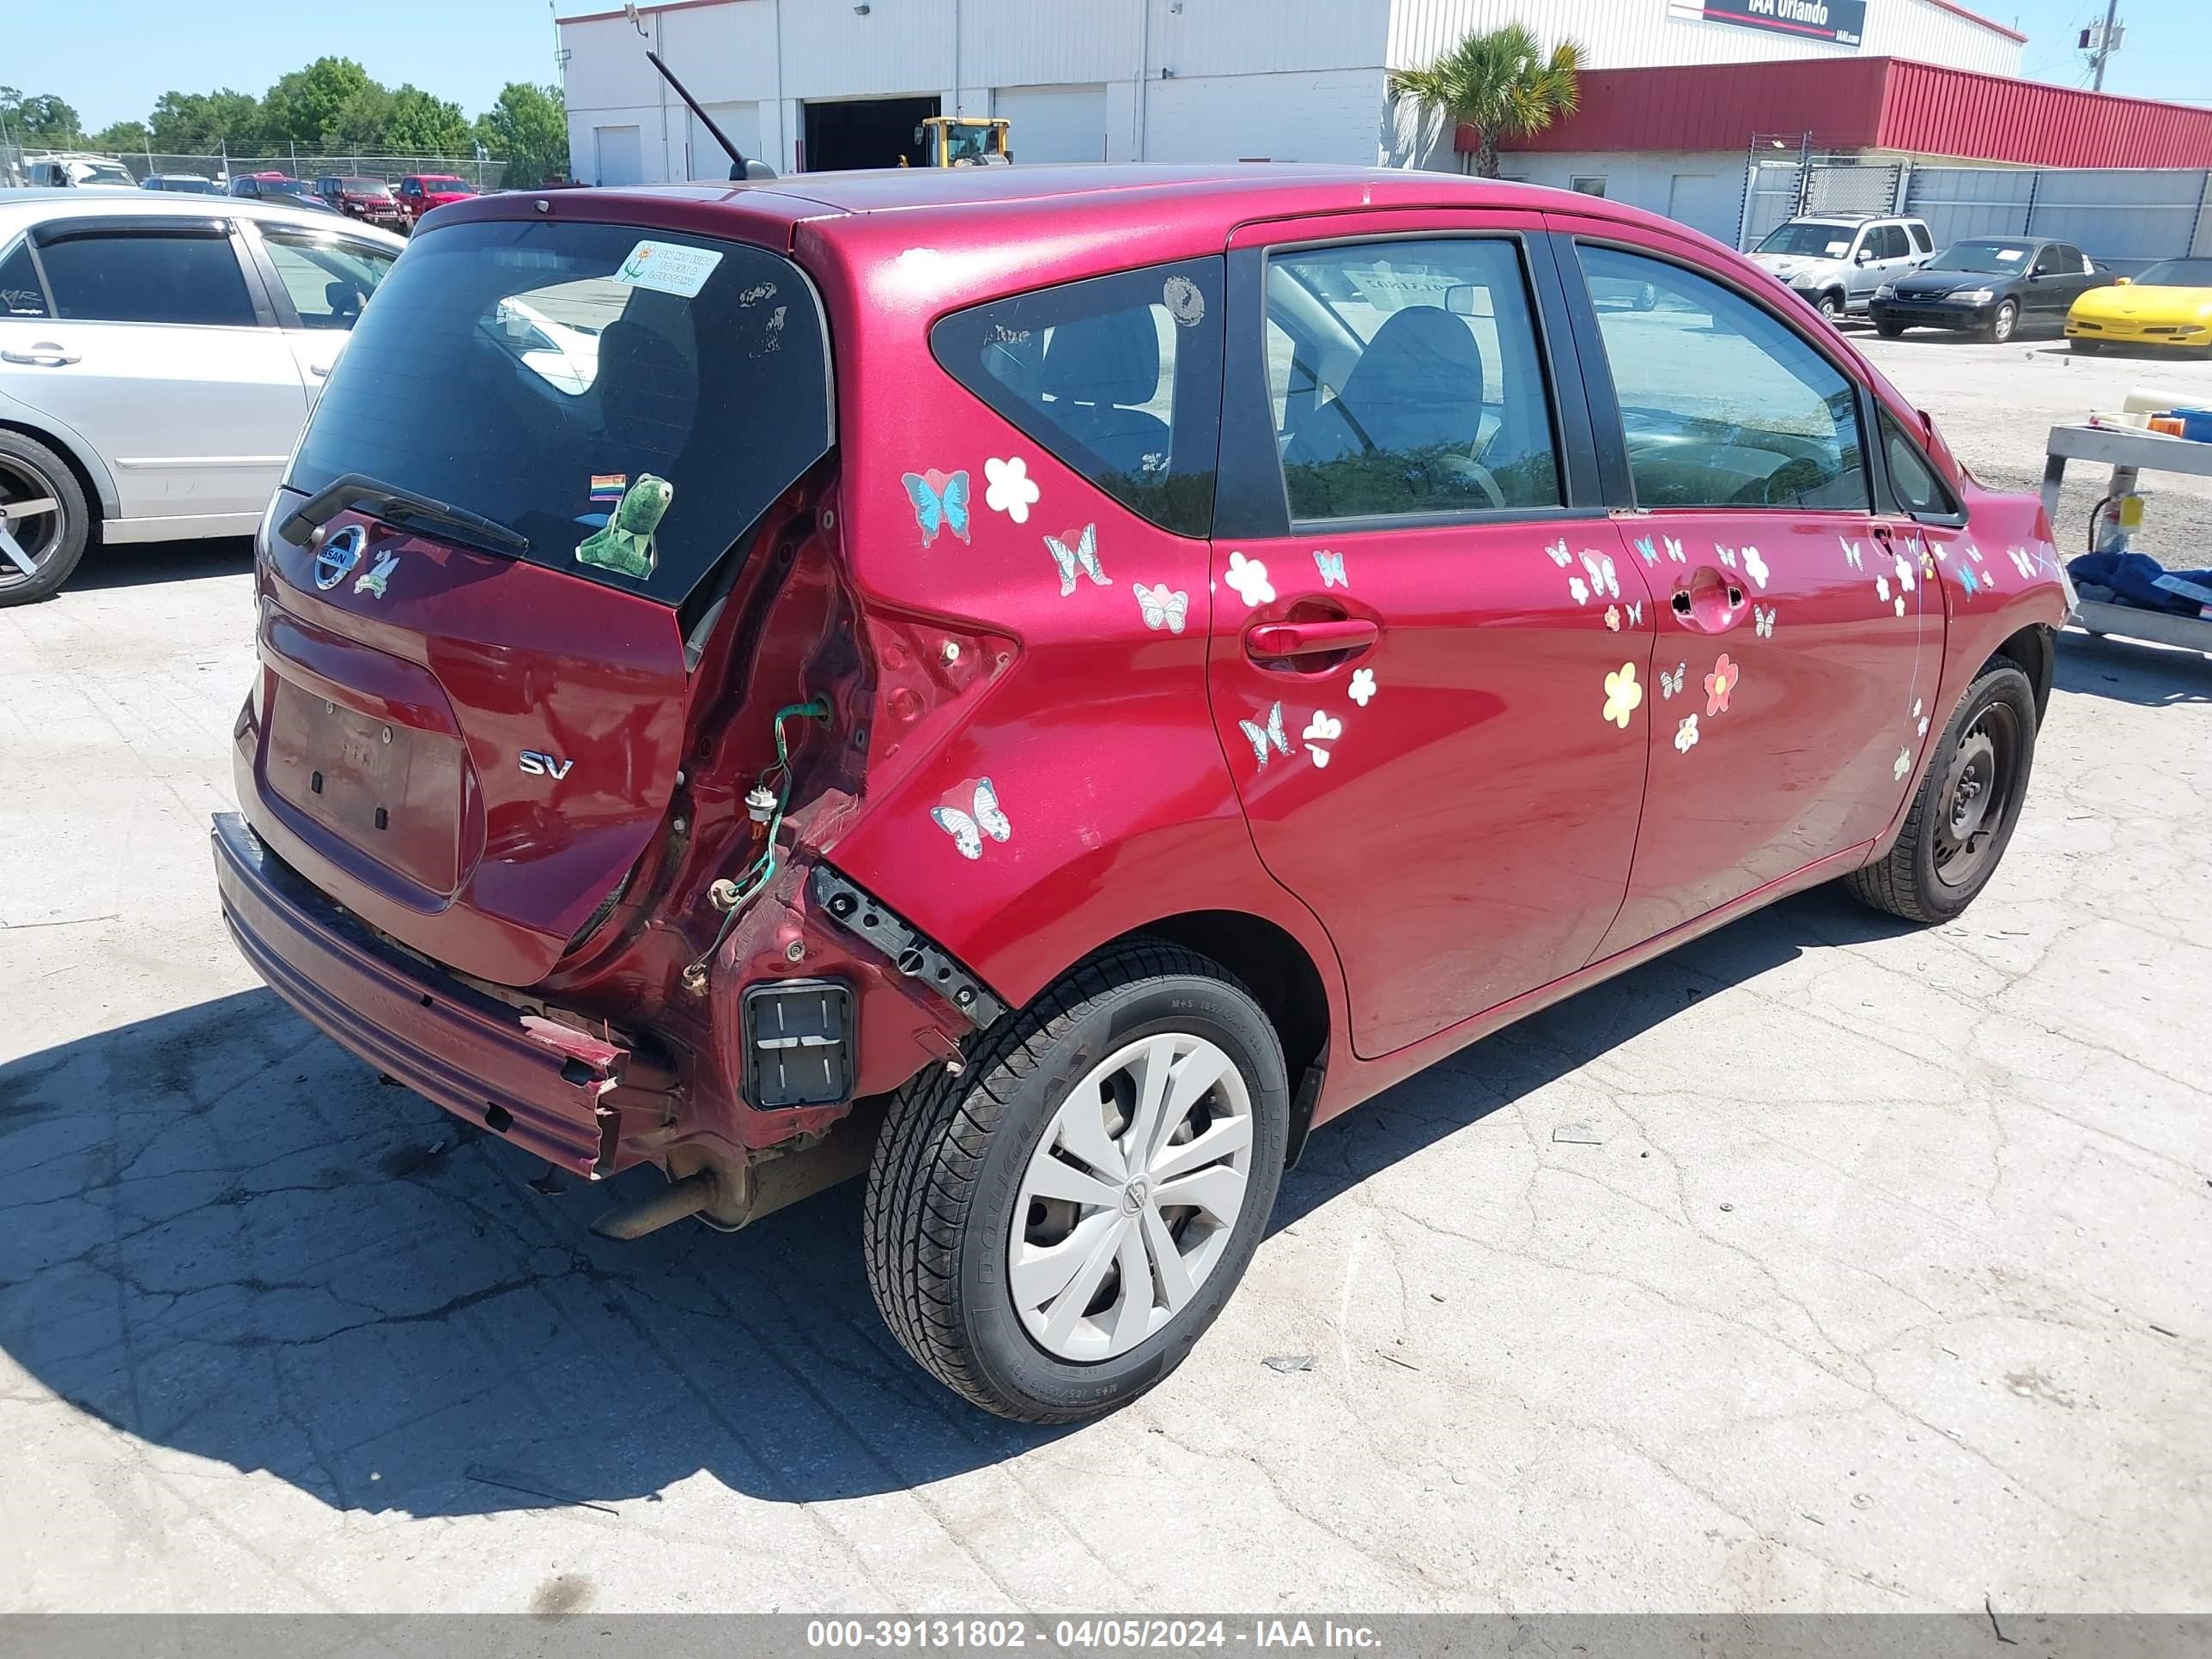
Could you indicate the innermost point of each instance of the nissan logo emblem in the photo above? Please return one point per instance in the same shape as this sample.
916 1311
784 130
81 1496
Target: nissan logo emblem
337 557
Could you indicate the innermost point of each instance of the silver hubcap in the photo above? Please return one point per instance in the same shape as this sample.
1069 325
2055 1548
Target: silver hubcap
1129 1200
30 520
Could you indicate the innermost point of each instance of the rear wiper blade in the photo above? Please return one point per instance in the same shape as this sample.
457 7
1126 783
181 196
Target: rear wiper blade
404 508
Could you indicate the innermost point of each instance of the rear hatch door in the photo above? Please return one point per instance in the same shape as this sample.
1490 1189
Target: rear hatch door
539 459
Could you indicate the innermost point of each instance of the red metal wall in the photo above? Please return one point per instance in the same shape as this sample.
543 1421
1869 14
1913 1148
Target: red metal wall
1873 103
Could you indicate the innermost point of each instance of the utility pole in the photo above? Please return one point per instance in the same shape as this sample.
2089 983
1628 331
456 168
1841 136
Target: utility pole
2106 39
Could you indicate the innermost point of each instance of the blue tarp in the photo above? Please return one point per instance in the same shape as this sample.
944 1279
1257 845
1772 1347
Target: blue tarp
2144 582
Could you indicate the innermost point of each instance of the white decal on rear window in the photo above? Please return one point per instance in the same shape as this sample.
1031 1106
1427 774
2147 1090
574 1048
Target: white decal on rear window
668 267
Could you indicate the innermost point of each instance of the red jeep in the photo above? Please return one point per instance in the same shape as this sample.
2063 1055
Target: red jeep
420 192
1047 685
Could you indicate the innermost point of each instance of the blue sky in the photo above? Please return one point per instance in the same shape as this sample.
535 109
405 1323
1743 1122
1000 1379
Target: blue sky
115 56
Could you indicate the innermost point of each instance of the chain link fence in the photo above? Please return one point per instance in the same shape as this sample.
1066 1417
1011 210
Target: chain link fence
23 166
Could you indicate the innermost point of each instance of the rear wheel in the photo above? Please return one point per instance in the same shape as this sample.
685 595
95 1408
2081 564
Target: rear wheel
1962 817
1051 1231
2004 321
44 521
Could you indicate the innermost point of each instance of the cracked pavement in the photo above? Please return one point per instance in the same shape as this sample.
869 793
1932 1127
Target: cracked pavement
1888 1285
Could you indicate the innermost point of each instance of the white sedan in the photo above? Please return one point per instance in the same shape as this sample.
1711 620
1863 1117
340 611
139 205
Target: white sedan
158 356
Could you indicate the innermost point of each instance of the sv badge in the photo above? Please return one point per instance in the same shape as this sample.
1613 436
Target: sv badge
544 766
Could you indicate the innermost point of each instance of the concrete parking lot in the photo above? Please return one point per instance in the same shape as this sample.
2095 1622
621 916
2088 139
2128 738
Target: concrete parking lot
1886 1282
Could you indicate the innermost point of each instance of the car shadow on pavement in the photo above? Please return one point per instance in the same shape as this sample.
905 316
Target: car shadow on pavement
2153 675
222 1237
133 564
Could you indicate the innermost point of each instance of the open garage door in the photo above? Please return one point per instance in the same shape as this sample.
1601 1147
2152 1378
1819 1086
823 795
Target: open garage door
865 132
1053 123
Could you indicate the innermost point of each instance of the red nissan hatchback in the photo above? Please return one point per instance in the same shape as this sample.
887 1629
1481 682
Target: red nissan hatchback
1046 684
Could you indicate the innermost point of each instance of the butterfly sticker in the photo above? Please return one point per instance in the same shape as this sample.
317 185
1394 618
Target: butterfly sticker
1762 621
1264 738
1852 555
1973 553
1321 729
1988 576
1603 578
940 501
1613 617
1670 685
1331 566
968 823
1674 550
1077 549
1966 579
1754 566
1728 555
1645 547
1636 614
2022 562
1161 609
1575 586
1558 555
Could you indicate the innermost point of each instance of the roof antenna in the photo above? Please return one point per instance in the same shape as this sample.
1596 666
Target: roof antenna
741 168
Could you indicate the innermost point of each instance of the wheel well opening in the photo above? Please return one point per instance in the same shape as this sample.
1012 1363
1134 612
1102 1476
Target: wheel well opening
2033 652
1280 975
75 467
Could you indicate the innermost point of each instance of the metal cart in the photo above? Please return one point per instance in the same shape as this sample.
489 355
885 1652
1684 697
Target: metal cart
2128 453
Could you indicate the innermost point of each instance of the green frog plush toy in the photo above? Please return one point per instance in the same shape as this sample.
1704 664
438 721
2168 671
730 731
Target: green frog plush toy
625 545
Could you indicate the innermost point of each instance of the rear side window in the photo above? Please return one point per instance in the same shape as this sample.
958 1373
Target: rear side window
1921 241
1119 377
629 401
135 277
21 293
1406 381
1722 402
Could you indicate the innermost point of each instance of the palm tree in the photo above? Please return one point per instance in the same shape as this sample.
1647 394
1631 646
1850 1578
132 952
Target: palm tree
1501 83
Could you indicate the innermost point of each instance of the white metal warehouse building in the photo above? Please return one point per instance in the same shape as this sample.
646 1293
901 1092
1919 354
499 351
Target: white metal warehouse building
816 83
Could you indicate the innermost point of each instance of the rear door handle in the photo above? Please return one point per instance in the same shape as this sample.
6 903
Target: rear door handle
44 354
1273 641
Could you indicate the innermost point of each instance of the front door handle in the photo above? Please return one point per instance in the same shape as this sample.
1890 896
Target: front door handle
1274 641
44 354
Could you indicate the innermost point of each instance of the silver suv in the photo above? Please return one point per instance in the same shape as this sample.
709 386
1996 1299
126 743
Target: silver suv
1837 263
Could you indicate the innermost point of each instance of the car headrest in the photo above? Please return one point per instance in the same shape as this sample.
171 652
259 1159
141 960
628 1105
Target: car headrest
1113 359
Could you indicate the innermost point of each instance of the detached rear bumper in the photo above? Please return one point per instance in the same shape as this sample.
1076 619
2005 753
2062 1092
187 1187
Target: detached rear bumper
541 1085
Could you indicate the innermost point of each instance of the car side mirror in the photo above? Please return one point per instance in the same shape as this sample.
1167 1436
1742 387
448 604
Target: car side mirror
2122 281
1863 256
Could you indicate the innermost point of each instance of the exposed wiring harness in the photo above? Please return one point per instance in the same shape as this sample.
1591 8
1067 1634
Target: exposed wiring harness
736 894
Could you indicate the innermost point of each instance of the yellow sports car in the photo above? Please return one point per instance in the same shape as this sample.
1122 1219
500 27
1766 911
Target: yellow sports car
2170 306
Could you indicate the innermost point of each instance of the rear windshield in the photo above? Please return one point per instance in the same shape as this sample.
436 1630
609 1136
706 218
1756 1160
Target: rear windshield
2179 273
628 400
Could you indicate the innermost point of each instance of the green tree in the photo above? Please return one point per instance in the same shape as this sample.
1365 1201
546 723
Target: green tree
307 107
38 118
122 136
423 124
1502 83
206 123
527 129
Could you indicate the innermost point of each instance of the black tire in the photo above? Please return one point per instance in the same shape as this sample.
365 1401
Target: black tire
1890 331
1923 879
2086 348
2004 322
949 1164
54 540
1831 307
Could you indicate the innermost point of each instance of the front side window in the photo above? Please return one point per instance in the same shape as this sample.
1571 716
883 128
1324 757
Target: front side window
329 279
628 402
1119 377
140 277
1725 404
1405 379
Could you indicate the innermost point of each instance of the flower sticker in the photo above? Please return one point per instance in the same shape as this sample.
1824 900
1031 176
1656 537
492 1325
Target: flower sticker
1613 617
1008 488
1321 729
1762 621
1904 574
1685 735
1881 589
1902 765
1754 566
1363 686
1900 603
1575 586
1249 578
1623 695
1920 730
1718 684
1988 576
